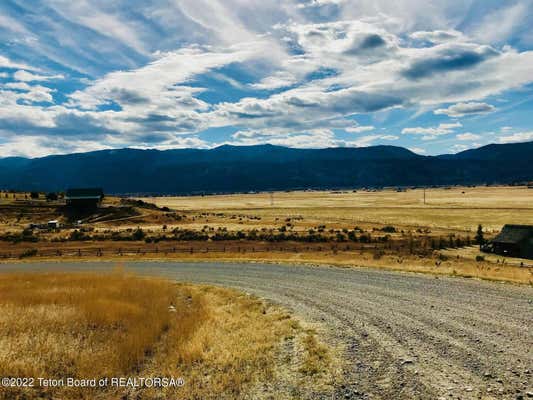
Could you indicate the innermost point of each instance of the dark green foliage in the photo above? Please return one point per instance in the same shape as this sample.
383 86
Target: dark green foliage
138 234
51 196
480 239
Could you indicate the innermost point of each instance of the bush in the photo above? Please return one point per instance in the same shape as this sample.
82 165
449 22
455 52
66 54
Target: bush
51 196
480 258
378 254
442 257
29 253
78 235
138 234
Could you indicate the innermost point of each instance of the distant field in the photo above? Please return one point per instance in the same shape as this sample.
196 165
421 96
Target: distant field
385 228
456 209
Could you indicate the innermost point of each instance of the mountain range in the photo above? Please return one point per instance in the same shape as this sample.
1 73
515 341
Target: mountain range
265 167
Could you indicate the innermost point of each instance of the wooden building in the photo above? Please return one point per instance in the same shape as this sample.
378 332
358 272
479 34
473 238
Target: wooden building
84 197
514 241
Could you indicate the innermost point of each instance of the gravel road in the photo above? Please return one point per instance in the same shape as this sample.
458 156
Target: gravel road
406 336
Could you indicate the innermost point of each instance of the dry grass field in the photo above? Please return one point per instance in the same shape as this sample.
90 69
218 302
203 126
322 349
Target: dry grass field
222 343
386 228
454 209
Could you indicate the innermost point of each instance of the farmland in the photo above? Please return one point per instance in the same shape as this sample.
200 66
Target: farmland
432 230
457 209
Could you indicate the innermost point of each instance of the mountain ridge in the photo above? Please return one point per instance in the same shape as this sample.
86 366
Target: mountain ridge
265 167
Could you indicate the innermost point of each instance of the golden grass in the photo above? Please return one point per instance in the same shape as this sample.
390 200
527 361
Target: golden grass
87 325
455 209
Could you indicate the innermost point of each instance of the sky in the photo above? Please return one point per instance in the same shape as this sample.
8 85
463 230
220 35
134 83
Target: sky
432 76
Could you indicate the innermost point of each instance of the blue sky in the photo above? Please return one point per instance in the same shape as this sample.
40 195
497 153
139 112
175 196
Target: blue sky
433 76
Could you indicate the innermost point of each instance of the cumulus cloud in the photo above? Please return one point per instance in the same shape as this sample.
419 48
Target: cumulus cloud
463 109
25 76
7 63
437 36
517 137
359 129
312 138
417 150
39 146
467 136
369 140
448 57
457 148
281 72
430 133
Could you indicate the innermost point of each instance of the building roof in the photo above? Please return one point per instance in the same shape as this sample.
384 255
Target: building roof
84 193
512 234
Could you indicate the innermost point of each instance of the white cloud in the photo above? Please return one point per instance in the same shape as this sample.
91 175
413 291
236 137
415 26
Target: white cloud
517 137
368 140
499 25
30 94
313 138
7 63
438 36
25 76
456 148
462 109
431 133
322 61
39 146
417 150
359 129
276 81
467 136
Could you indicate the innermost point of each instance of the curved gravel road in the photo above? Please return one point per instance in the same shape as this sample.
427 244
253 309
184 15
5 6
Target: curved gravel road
405 336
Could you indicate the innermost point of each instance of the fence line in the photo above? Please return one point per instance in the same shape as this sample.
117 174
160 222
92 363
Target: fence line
137 250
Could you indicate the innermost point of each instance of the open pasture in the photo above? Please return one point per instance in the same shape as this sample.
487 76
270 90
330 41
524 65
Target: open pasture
457 209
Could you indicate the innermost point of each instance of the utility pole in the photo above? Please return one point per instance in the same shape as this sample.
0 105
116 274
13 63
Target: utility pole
424 195
271 199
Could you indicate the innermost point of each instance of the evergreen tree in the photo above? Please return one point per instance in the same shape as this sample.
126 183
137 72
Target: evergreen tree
479 235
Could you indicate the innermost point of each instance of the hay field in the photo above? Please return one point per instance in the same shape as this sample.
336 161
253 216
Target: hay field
456 209
222 343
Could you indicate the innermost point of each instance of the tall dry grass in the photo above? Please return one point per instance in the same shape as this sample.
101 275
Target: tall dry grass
87 325
237 352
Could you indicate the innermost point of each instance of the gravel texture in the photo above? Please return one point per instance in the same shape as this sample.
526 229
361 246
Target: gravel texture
405 336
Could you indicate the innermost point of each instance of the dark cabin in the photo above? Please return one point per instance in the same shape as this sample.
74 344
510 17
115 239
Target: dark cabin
514 241
84 197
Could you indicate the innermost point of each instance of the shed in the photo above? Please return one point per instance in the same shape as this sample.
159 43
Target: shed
84 197
54 224
514 241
